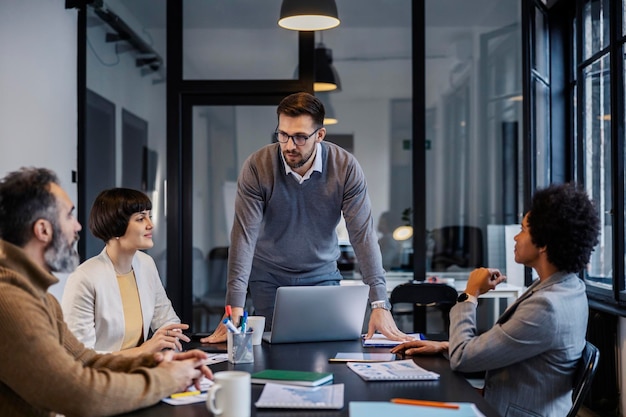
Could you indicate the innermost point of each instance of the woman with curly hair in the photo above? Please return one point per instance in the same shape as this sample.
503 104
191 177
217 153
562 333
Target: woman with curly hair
531 353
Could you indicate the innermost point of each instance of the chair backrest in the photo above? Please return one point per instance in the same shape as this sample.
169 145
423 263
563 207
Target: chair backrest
422 295
218 270
457 245
200 272
585 371
213 299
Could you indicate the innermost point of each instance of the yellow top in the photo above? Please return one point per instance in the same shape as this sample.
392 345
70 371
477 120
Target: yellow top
133 334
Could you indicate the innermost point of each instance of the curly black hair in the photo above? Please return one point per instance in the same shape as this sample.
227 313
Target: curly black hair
565 221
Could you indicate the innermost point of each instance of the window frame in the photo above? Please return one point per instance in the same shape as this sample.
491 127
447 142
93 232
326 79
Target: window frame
612 300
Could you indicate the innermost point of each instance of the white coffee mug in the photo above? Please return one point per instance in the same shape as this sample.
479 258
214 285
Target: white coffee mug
258 324
230 395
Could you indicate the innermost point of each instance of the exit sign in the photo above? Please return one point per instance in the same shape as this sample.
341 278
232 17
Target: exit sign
406 144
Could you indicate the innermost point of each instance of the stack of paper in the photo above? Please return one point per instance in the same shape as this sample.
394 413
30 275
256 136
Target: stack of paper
378 340
363 357
192 395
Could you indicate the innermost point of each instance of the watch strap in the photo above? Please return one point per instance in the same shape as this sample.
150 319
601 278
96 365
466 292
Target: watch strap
463 297
384 304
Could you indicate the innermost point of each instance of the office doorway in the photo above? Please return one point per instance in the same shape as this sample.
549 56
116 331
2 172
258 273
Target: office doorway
222 137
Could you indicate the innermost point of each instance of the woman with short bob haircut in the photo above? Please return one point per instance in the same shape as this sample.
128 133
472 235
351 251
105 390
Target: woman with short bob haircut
113 300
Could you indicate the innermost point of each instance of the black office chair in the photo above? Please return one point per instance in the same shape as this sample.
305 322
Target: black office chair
585 371
421 296
457 245
213 300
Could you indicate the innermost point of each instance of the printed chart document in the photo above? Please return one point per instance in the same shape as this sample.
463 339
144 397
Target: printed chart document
378 340
405 370
377 409
328 397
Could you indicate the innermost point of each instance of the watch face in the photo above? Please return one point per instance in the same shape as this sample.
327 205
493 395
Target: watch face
462 297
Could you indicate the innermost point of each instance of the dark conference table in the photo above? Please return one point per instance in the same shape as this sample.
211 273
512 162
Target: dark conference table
314 357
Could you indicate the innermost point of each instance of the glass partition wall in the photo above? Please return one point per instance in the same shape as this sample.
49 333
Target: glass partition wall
474 129
371 53
124 143
235 68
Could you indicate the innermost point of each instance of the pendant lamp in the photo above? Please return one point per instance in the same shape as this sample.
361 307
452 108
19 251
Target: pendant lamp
403 232
325 77
330 117
308 15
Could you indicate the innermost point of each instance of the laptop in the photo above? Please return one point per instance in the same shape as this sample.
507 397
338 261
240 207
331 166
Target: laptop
318 314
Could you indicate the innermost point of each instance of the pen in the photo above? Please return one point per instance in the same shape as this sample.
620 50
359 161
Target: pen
230 326
244 321
229 311
185 394
424 403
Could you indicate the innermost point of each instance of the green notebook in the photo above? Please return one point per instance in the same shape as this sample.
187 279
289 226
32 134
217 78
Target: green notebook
309 379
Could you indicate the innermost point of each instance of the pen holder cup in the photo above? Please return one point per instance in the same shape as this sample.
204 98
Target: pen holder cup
239 346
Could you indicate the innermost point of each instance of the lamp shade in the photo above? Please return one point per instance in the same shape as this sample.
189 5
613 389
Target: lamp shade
308 15
325 77
330 117
403 232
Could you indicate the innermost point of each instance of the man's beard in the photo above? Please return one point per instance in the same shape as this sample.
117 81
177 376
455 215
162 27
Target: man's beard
302 161
61 256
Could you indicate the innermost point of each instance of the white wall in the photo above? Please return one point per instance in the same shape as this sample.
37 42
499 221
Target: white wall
112 74
38 85
38 89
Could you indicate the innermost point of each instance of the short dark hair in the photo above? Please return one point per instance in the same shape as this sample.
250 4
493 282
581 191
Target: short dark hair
25 197
564 220
112 209
299 104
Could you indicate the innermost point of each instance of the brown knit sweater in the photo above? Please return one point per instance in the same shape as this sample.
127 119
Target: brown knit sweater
45 370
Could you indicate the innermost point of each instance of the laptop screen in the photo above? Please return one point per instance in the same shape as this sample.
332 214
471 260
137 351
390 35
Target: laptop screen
317 314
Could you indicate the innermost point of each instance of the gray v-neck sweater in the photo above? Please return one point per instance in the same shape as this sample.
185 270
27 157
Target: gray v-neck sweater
288 228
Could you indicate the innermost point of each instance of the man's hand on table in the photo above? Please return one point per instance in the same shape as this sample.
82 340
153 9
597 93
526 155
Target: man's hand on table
219 335
382 321
187 367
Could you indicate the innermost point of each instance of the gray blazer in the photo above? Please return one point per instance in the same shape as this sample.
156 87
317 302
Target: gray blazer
530 354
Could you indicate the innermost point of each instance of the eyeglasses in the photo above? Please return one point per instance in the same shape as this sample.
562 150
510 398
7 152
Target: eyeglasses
299 140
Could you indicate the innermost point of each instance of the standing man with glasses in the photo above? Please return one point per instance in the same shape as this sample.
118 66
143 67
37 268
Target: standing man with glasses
290 198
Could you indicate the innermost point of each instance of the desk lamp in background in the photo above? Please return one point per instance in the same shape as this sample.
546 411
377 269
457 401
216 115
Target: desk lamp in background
404 234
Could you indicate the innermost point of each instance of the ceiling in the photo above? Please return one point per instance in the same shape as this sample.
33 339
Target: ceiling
353 13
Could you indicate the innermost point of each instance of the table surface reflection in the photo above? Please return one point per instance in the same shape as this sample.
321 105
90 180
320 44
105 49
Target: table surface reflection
314 357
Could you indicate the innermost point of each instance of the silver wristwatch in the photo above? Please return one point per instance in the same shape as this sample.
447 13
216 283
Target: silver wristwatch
381 304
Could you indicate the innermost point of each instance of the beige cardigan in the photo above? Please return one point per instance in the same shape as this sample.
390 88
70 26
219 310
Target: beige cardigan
45 370
100 325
